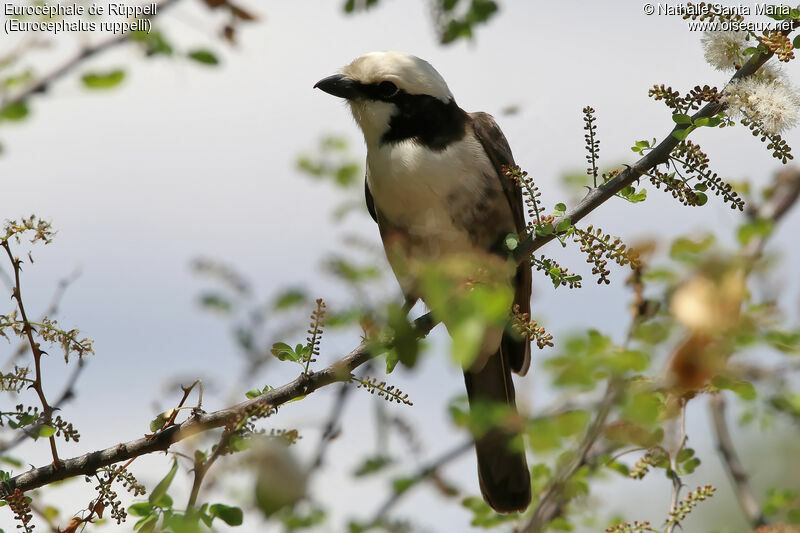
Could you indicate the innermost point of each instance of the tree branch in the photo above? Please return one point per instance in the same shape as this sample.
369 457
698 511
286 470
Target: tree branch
653 158
86 464
730 461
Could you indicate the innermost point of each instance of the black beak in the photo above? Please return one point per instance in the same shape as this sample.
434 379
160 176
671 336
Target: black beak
339 85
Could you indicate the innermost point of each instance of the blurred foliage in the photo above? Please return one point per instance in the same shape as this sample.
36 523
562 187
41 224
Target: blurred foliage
454 19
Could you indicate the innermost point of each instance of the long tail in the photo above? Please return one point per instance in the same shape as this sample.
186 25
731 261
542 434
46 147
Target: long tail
502 470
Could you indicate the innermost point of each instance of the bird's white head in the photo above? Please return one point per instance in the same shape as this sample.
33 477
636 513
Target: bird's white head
394 96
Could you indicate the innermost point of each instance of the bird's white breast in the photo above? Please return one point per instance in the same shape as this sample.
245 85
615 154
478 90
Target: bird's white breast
422 191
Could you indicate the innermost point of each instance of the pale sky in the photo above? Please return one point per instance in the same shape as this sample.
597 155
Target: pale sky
184 161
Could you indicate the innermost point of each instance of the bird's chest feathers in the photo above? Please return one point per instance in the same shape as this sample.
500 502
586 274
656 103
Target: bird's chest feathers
426 192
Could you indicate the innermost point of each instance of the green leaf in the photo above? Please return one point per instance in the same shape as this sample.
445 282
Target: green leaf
103 80
372 465
406 343
701 197
787 342
643 407
15 111
46 431
681 118
347 174
391 360
689 466
685 454
216 302
627 361
21 79
481 10
652 332
284 352
630 194
205 57
564 225
796 42
146 524
750 50
560 523
10 461
561 208
467 339
682 134
161 489
545 229
572 422
154 42
232 516
625 432
744 389
140 509
685 249
164 502
402 484
759 227
161 419
293 520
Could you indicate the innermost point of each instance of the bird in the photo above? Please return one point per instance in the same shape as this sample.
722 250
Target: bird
435 184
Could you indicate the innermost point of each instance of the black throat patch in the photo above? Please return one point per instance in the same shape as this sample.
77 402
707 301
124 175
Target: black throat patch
419 117
426 120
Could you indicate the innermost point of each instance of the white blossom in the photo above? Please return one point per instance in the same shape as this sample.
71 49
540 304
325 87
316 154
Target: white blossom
723 49
774 105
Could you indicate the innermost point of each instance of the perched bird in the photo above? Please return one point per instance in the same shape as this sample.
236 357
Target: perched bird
435 187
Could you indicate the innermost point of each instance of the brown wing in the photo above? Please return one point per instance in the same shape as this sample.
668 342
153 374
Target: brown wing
496 146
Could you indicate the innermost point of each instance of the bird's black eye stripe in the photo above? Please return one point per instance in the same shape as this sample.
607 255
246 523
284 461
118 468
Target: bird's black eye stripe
384 90
387 89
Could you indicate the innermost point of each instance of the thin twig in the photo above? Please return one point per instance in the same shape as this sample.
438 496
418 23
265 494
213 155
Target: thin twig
201 467
422 474
732 464
332 426
47 410
186 391
551 502
677 484
51 311
67 394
